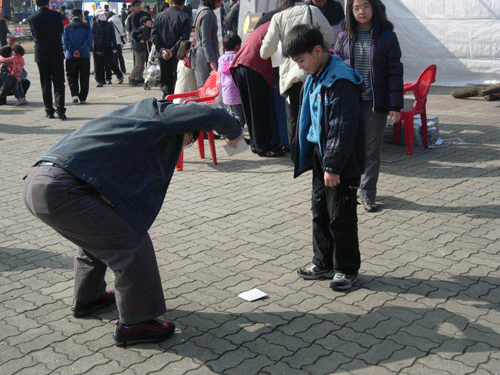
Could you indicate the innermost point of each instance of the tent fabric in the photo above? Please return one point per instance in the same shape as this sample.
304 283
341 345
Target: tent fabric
460 36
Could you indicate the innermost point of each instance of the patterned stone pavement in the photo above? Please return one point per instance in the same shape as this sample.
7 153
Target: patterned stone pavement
426 302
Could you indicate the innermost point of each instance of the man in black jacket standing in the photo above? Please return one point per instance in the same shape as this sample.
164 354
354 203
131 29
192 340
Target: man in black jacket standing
170 27
47 27
104 45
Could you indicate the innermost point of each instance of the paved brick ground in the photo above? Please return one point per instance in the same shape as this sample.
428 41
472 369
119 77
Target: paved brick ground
427 301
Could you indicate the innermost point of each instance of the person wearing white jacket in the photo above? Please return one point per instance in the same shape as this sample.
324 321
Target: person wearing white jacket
291 76
119 34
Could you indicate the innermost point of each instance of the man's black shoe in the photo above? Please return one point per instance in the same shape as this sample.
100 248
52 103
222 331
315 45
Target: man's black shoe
84 308
313 272
153 330
61 116
50 115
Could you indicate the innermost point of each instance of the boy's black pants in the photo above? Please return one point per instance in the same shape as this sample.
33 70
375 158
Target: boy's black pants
334 222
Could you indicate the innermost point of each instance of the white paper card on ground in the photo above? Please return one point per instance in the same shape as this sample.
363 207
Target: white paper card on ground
240 147
252 295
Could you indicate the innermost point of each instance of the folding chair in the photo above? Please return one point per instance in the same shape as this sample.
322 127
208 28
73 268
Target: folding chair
420 89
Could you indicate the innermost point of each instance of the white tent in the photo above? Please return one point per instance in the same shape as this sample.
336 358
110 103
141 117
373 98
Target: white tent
462 37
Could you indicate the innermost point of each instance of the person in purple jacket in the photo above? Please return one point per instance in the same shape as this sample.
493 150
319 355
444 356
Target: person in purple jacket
370 46
230 95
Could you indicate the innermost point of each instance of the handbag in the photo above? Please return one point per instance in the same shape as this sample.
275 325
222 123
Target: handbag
191 53
7 81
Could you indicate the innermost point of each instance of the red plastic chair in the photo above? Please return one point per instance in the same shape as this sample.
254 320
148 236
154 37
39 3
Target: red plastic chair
206 94
420 90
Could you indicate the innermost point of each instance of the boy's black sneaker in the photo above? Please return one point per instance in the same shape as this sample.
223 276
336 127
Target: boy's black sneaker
84 308
153 330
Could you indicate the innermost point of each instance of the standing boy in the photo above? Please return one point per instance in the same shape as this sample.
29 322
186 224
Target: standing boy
330 141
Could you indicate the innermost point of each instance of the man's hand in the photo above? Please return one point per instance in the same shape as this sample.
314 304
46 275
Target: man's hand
234 142
19 79
394 116
166 54
76 54
331 179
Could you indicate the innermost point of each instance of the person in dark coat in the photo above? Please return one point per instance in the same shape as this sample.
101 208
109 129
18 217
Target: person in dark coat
104 45
330 141
4 30
254 77
47 27
232 16
332 10
170 28
370 46
102 186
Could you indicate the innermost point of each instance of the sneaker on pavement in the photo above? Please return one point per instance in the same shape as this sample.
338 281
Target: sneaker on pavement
341 281
99 84
153 330
312 272
108 82
120 81
75 99
20 101
84 308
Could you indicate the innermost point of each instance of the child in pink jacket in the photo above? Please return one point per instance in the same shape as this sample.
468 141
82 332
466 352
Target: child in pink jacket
16 68
230 94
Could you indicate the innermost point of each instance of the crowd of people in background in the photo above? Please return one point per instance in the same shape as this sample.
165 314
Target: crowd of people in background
361 36
338 76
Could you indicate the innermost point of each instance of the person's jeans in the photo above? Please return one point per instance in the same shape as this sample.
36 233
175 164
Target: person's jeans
18 90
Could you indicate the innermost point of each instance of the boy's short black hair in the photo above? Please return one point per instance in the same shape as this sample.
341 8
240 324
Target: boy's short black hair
302 39
6 51
135 2
231 41
17 48
145 19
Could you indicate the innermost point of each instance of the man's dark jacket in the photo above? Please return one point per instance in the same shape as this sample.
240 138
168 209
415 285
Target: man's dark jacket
104 36
386 68
333 11
231 19
47 27
129 155
170 27
133 21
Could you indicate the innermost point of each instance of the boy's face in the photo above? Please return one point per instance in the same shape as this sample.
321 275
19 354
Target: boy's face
148 23
311 62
